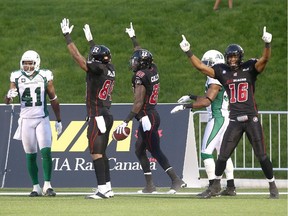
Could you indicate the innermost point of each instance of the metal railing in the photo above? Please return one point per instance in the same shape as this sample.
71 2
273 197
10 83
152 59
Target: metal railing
275 130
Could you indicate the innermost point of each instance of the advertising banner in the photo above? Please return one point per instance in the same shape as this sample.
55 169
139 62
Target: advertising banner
72 164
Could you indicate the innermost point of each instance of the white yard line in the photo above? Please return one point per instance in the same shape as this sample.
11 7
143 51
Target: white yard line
132 193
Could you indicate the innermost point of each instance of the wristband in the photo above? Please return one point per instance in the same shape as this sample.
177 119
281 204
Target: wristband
193 97
53 98
59 121
267 45
11 99
188 106
130 116
209 99
134 41
189 53
68 38
92 43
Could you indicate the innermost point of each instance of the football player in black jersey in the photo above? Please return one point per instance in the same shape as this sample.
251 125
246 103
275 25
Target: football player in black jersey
100 76
146 86
238 79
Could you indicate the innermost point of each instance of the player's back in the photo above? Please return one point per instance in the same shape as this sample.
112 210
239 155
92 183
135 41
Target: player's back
100 83
149 78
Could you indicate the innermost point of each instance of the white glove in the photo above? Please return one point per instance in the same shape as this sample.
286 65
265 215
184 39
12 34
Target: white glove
12 93
130 31
177 109
146 124
101 124
58 127
120 128
185 46
267 37
65 26
184 99
87 32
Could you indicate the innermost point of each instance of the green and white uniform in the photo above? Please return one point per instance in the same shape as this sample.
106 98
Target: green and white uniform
218 121
33 124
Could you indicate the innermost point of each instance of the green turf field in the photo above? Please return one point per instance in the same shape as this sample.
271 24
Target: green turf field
159 24
247 202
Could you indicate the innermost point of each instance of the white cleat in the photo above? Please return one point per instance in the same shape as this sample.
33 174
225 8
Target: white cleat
97 195
171 191
109 194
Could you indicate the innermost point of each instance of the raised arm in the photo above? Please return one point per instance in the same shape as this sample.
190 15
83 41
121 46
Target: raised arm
131 32
196 62
88 35
261 63
66 30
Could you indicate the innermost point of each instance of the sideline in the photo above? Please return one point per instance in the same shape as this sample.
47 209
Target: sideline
132 193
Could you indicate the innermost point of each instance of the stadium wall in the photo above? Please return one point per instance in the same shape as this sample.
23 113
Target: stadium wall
72 165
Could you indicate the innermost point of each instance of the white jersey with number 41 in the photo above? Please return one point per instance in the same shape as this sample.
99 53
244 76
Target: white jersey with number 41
32 92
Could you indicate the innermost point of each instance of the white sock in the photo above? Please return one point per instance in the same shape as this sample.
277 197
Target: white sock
47 185
108 185
229 171
102 189
210 168
37 188
271 180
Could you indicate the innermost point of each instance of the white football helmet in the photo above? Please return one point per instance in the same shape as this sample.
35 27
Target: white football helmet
212 57
33 56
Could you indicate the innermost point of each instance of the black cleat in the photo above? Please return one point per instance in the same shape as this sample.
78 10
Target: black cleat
274 194
213 190
34 194
49 192
148 189
228 191
176 185
205 194
202 193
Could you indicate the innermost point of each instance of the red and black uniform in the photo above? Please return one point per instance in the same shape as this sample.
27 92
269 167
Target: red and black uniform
239 84
99 86
149 140
240 87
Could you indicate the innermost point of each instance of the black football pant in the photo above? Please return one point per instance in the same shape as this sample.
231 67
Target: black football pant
150 141
98 142
232 136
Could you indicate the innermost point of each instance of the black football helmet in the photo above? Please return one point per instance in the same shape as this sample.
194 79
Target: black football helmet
99 53
141 59
234 49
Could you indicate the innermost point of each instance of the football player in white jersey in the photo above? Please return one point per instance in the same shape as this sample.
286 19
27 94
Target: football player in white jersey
216 103
33 84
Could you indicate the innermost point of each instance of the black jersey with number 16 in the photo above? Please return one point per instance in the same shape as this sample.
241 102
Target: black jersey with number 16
240 87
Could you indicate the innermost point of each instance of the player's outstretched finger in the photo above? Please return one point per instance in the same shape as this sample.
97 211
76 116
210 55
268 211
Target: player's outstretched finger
183 37
264 30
